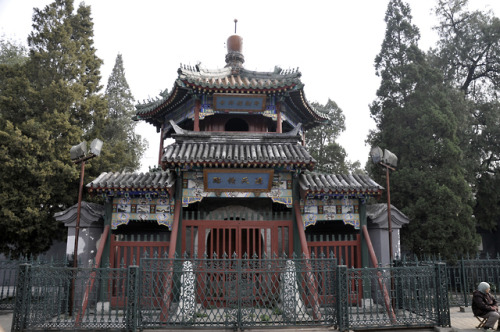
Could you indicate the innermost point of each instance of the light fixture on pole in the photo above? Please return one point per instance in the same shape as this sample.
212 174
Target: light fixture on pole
79 154
388 160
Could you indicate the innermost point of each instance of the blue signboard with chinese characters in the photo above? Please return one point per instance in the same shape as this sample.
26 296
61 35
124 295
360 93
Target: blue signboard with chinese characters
239 102
237 180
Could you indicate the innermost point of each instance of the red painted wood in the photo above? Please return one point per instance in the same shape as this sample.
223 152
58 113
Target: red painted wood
90 283
175 228
160 153
308 275
349 252
126 253
236 236
278 120
374 260
167 285
197 108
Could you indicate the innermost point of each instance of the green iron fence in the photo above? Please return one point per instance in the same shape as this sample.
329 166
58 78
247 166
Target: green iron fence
464 275
398 297
9 273
237 293
8 280
62 298
229 293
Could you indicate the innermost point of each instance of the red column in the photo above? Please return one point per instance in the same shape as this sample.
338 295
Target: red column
160 153
310 280
197 108
279 129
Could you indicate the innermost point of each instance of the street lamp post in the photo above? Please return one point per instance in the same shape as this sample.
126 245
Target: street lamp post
79 155
388 160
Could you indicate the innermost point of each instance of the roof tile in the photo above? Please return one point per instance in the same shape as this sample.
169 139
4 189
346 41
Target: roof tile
316 183
236 153
133 182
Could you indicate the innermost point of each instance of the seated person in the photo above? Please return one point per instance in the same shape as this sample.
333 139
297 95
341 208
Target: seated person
484 305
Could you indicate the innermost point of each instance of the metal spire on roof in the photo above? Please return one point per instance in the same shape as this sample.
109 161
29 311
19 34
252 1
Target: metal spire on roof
234 57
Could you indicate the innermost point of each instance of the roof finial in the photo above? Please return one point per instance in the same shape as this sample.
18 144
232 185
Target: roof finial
235 22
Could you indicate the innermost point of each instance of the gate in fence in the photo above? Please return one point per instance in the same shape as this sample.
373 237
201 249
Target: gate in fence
229 293
238 293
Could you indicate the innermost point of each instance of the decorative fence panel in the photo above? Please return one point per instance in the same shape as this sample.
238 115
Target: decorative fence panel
464 275
398 297
8 280
229 293
60 298
237 293
9 273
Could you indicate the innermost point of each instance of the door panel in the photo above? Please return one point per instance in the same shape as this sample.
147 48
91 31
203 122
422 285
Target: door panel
216 238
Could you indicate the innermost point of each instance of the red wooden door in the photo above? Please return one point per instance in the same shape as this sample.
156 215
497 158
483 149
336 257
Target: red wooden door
236 238
222 240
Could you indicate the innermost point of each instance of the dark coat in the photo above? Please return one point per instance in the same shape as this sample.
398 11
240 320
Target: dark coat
482 303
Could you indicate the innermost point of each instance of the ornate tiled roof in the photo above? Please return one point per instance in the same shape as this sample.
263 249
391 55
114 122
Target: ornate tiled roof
200 80
319 184
152 110
133 183
247 149
278 80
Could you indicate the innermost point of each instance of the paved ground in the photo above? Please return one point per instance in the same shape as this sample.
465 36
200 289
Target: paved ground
5 321
462 320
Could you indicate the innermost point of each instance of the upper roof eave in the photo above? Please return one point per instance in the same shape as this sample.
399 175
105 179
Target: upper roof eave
192 78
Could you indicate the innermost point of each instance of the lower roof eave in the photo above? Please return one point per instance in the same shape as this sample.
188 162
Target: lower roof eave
339 194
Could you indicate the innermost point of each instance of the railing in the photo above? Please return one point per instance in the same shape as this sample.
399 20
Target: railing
8 280
464 275
235 293
43 298
230 293
417 297
8 277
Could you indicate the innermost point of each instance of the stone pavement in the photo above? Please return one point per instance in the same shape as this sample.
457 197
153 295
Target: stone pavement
5 321
462 320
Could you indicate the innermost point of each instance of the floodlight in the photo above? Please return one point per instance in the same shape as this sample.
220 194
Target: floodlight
376 154
390 158
78 151
96 147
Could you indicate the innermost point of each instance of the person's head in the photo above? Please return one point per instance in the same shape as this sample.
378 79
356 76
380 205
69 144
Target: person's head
484 287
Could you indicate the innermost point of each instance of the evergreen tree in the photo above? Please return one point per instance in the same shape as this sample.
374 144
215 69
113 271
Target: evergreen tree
124 148
321 140
11 53
416 121
469 48
53 104
469 54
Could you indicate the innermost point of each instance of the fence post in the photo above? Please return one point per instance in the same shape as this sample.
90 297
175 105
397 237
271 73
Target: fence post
132 298
465 288
342 298
442 304
23 293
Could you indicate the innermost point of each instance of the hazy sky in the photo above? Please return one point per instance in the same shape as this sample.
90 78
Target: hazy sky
333 43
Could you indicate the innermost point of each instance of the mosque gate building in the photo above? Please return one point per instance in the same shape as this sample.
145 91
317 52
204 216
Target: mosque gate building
237 181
